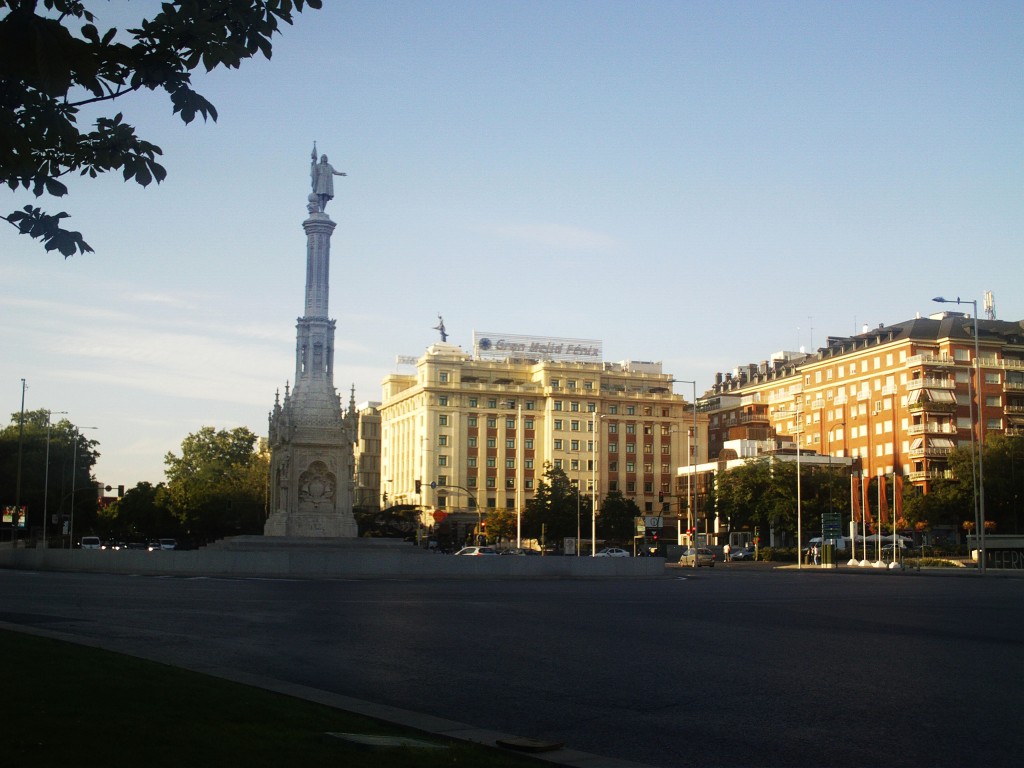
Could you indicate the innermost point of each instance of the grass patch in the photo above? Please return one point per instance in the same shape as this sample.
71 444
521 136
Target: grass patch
73 705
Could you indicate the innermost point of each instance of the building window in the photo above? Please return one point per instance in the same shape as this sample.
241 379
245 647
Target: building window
528 444
510 463
529 484
471 442
574 445
492 402
492 442
631 487
472 402
571 383
510 404
554 383
574 426
648 448
630 410
558 445
528 424
472 421
442 439
613 428
442 400
630 447
471 462
591 407
993 400
442 460
443 377
528 463
558 463
471 481
613 409
529 405
574 406
510 445
631 429
491 483
648 429
588 385
666 448
613 485
630 466
992 378
442 480
613 466
574 465
613 447
557 405
491 462
647 410
558 424
648 487
442 420
510 423
492 423
648 467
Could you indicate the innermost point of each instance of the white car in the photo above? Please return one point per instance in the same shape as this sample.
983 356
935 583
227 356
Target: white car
91 542
476 551
612 552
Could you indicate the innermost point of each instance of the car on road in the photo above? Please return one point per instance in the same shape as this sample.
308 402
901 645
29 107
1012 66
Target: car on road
742 554
91 542
612 552
696 558
168 543
477 551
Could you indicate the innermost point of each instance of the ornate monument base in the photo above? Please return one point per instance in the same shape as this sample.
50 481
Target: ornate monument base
310 525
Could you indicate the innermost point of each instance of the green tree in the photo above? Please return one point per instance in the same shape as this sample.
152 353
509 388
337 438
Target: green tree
1004 482
217 486
46 471
140 514
55 60
617 521
556 508
501 524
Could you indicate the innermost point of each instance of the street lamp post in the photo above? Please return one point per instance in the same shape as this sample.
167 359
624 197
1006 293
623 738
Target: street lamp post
981 431
74 470
691 517
46 475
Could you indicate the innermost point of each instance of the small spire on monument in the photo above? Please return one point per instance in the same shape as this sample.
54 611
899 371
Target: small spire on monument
440 328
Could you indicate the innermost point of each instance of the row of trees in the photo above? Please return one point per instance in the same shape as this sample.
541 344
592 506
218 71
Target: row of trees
762 493
216 486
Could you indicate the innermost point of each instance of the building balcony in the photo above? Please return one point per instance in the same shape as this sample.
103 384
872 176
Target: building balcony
932 407
1013 386
930 383
931 428
929 360
928 474
929 453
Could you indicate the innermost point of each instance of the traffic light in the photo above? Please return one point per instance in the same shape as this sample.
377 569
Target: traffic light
385 497
661 497
418 486
120 491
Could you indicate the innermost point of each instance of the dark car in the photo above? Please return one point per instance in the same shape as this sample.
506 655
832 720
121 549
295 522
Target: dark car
742 554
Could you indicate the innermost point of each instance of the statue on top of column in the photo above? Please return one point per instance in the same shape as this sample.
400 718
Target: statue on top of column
322 175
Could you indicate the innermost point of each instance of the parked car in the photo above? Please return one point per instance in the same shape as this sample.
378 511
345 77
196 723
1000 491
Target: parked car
168 544
695 558
742 554
477 551
612 552
91 542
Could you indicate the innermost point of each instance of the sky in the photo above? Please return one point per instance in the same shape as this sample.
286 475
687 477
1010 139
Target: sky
697 183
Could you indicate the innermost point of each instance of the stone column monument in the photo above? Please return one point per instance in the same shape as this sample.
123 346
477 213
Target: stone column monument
311 437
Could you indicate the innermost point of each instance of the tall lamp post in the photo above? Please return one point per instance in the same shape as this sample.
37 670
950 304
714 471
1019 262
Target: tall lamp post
981 438
74 471
46 475
691 518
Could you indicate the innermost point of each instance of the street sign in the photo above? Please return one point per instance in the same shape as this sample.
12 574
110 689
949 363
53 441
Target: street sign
652 522
831 525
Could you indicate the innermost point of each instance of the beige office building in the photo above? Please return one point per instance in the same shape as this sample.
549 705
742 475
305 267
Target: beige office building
471 432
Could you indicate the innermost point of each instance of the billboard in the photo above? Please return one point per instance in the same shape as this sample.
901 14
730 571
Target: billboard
8 516
500 346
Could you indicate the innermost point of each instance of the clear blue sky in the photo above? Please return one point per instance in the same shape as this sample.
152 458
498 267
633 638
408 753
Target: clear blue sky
701 183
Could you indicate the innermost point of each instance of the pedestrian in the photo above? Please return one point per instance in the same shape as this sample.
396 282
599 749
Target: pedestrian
725 552
814 553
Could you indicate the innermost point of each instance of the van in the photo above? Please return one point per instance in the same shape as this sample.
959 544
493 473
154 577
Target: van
90 542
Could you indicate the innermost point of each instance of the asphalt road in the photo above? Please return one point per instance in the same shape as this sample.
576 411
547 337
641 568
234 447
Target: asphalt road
731 666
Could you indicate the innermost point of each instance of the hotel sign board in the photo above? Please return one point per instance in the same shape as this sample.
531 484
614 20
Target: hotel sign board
500 346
